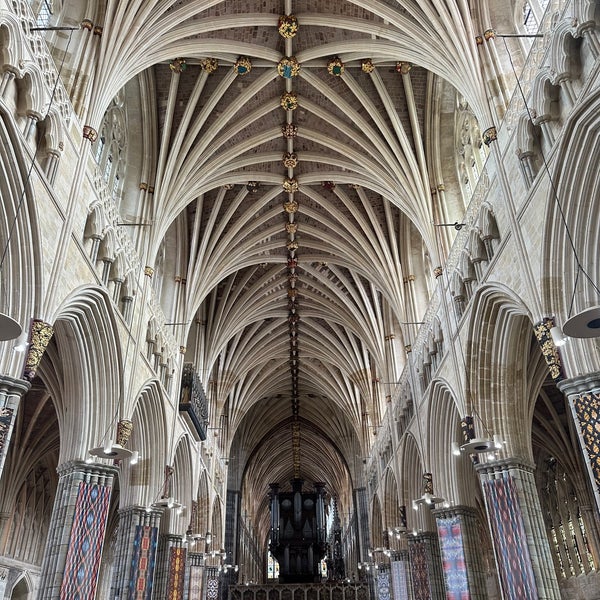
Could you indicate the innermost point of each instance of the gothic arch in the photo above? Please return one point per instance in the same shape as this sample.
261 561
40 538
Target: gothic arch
453 478
391 500
576 201
377 525
411 478
143 483
182 485
19 250
203 498
500 333
23 588
87 339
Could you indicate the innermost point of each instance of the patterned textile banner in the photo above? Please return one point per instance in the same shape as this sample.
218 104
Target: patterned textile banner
587 409
420 571
453 558
512 552
212 584
85 544
399 581
143 562
195 583
176 574
383 585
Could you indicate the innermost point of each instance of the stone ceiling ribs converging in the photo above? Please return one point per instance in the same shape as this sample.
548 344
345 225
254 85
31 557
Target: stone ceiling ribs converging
293 188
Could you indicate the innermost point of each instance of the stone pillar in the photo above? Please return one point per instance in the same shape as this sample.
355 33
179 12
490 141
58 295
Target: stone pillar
583 394
521 548
426 567
11 392
170 567
76 535
135 553
362 514
464 573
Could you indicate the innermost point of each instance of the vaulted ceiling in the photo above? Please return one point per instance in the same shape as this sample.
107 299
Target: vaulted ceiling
295 161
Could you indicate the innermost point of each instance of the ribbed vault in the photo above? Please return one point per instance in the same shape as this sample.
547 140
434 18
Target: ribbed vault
293 210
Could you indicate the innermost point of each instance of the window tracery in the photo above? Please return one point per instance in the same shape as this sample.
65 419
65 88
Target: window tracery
110 150
471 152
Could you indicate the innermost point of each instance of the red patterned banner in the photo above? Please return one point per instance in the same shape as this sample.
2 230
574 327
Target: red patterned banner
85 544
512 552
420 571
143 562
176 574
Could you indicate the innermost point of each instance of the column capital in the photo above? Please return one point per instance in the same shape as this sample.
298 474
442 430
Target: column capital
580 384
72 466
453 511
505 465
10 386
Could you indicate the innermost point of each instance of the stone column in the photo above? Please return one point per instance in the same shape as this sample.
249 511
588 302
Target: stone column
170 567
583 394
464 573
362 514
521 548
135 553
426 566
76 535
11 392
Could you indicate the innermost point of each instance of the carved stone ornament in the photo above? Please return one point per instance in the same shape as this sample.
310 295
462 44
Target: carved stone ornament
490 135
438 272
335 66
39 335
328 185
178 65
290 185
489 34
291 227
290 160
252 186
210 65
289 131
87 24
293 245
403 67
549 349
287 26
479 40
367 65
291 206
288 67
289 101
89 133
124 431
148 271
243 65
